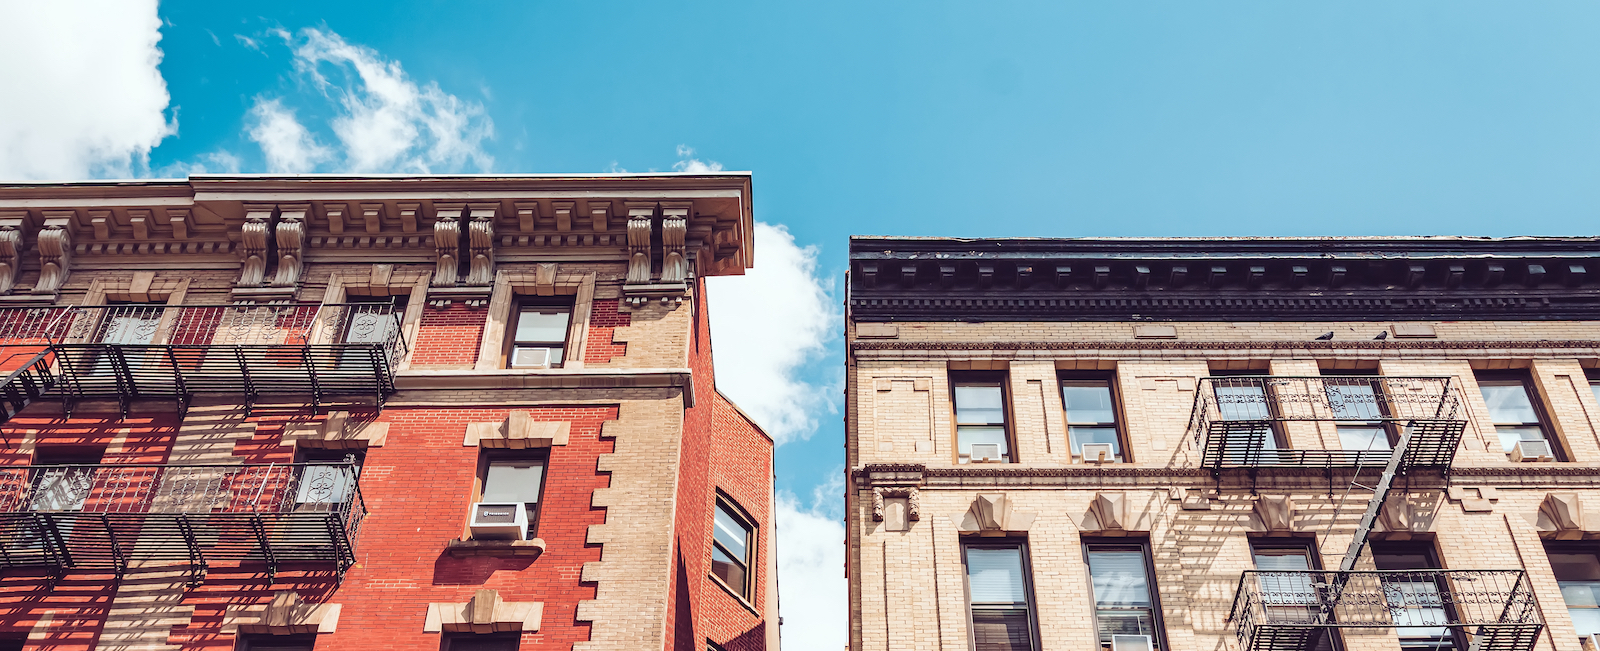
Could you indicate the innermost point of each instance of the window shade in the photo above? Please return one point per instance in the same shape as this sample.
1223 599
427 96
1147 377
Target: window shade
1001 629
1119 578
995 575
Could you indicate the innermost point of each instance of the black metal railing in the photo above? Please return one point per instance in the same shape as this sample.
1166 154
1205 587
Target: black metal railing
1244 421
179 351
104 517
1291 611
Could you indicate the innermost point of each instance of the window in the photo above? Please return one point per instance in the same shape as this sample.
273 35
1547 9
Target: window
13 643
1416 601
481 642
130 323
514 477
1594 384
371 319
66 478
1091 415
1359 409
980 402
1294 597
1512 409
328 479
999 598
731 542
538 334
277 642
1577 569
1125 608
1242 395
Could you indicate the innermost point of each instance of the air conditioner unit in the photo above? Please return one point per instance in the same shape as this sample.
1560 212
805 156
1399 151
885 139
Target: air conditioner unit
1099 453
499 521
1132 643
985 451
1591 642
1532 451
530 358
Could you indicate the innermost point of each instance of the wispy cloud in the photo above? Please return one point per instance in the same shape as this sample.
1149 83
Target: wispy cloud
688 163
814 596
83 92
383 120
766 326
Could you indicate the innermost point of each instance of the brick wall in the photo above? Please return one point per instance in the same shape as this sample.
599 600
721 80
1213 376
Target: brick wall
449 335
605 318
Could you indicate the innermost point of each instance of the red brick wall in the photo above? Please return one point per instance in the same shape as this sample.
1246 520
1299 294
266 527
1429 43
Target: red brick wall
741 462
450 335
604 317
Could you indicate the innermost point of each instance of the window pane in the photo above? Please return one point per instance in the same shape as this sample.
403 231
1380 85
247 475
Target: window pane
1124 622
966 436
1287 559
1362 437
1081 435
727 569
513 481
1001 629
1119 578
982 405
1242 402
536 325
1511 434
482 643
732 534
1586 620
1088 404
1352 400
1594 387
1575 567
995 575
1509 403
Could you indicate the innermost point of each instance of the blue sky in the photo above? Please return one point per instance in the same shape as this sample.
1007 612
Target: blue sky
898 118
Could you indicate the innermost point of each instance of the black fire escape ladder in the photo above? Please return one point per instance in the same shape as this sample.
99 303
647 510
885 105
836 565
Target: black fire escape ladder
1380 492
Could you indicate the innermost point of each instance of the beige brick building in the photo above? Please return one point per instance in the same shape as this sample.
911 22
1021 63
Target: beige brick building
1173 443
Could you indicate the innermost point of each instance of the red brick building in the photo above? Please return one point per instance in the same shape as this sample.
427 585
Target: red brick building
428 412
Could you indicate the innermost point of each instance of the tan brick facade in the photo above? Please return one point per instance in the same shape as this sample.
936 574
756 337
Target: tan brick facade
908 589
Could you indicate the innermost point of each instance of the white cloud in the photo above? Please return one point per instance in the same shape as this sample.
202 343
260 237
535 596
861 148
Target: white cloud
813 595
765 325
687 162
384 121
82 92
217 162
287 144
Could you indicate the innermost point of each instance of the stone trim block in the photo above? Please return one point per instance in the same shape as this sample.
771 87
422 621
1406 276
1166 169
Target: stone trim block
518 431
287 614
484 613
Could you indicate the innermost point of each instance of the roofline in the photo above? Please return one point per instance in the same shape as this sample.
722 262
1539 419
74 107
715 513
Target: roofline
745 416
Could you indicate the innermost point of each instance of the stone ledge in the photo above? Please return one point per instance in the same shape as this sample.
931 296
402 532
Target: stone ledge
495 548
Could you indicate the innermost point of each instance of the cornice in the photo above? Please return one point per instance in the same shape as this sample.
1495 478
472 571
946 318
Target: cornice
1264 478
1328 346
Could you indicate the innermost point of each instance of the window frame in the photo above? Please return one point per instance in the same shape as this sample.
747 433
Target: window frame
314 455
983 378
1430 551
1314 560
1068 378
486 457
1593 375
249 641
1570 547
1280 437
1523 378
447 641
733 508
1032 607
561 303
1157 621
397 310
1391 429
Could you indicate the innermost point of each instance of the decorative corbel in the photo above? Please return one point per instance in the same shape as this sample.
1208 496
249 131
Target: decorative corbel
674 225
518 431
909 493
336 215
1272 514
10 243
140 220
1109 514
991 514
1404 514
600 213
100 222
55 251
563 210
253 237
178 219
447 244
486 612
639 218
527 216
408 216
372 215
1561 516
480 243
291 237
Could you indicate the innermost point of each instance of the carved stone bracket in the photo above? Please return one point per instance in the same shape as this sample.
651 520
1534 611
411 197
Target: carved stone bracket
991 514
674 260
484 613
253 237
287 614
1273 514
1562 516
55 251
1404 514
910 493
480 244
10 246
639 219
291 238
517 431
1109 514
447 245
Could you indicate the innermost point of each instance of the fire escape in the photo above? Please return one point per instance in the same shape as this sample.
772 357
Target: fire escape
1390 426
103 517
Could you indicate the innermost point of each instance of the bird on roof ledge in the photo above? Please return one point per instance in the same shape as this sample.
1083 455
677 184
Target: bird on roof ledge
1382 336
1326 337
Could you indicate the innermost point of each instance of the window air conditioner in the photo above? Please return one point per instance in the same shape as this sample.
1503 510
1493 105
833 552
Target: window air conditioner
499 521
531 358
1132 643
1532 451
1099 453
1591 642
985 451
